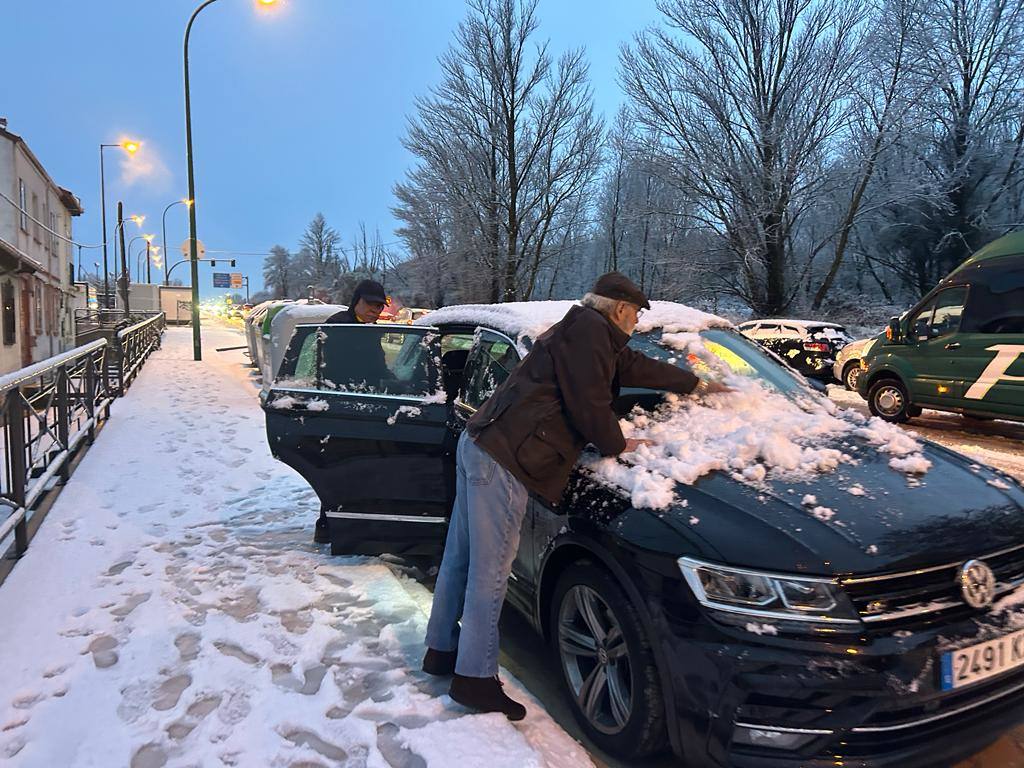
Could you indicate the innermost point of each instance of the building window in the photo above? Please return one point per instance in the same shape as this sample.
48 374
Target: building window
54 243
37 232
22 203
7 295
37 300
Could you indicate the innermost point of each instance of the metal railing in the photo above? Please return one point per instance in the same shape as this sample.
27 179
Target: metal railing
49 409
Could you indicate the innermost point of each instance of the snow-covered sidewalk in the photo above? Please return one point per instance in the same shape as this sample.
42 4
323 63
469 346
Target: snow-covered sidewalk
173 610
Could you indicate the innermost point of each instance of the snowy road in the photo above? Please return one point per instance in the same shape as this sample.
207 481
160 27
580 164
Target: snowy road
173 611
997 443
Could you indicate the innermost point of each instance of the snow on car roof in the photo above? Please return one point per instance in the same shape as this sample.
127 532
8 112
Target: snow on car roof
791 321
532 318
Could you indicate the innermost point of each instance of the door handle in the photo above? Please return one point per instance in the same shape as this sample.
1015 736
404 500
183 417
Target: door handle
953 345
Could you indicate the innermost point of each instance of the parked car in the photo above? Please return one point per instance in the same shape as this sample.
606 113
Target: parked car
744 617
846 368
961 348
809 346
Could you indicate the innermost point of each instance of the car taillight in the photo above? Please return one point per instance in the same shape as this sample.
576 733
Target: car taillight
816 346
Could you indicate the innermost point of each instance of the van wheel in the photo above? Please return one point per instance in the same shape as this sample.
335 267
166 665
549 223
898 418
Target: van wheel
850 375
607 665
888 399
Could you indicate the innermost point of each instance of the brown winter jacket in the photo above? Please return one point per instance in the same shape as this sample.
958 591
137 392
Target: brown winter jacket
560 398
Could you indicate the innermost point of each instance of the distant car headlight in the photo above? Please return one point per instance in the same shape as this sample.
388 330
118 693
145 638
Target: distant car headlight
748 595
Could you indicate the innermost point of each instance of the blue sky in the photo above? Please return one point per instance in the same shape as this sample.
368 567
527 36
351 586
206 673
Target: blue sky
295 111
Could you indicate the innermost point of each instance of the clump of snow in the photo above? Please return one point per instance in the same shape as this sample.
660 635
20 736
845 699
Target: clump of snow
856 490
316 404
1001 485
915 464
810 500
761 629
407 410
823 513
694 520
285 402
872 550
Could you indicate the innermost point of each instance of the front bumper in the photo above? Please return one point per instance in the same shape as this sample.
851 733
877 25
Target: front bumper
871 700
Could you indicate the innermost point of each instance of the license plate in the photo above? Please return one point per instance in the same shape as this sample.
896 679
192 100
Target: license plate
982 661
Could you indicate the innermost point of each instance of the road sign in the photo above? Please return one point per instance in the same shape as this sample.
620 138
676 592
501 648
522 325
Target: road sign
236 279
221 279
187 245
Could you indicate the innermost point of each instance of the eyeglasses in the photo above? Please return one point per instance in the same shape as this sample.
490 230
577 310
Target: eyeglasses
639 311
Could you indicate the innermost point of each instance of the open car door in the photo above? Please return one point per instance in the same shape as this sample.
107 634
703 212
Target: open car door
359 411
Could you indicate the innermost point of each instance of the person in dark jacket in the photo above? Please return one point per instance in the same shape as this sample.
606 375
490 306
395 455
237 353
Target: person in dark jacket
527 437
368 301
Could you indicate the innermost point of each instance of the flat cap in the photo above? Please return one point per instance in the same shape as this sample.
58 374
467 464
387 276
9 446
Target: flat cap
615 285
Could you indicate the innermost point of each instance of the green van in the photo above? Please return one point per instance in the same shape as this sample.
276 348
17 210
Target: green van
961 348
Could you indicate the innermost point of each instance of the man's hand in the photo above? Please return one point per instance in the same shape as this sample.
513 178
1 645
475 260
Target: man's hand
633 443
707 387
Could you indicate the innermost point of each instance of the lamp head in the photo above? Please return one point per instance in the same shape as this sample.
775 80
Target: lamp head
148 238
129 146
137 219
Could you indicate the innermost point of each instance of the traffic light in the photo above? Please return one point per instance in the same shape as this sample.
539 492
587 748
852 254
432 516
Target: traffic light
213 262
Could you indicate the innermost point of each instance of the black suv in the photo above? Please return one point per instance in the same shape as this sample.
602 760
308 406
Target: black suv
809 346
851 617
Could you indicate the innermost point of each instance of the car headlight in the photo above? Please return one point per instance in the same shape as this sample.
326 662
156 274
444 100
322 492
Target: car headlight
749 595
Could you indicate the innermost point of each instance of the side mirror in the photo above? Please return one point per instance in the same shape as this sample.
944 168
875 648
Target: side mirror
892 331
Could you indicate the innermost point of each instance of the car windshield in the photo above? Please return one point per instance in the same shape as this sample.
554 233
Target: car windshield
716 353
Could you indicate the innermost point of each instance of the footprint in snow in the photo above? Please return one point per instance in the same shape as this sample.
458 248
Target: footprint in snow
102 650
129 605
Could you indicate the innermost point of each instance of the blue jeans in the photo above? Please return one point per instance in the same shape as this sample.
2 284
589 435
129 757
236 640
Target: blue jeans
483 537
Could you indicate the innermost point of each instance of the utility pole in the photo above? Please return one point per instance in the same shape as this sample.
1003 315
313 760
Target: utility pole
124 258
149 275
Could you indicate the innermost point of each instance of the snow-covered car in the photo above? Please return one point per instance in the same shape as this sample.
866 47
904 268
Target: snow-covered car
807 345
846 368
773 582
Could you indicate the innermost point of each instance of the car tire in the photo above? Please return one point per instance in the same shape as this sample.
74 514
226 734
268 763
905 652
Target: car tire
850 375
586 602
888 399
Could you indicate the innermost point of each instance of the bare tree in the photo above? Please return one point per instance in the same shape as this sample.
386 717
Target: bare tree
319 254
507 142
746 108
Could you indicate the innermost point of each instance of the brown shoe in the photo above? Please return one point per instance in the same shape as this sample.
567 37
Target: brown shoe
440 663
485 694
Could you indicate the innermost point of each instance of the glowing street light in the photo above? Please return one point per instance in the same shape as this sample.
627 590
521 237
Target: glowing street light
197 344
131 147
187 202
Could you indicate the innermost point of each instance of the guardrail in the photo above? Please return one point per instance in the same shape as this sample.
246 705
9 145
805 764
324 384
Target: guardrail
49 409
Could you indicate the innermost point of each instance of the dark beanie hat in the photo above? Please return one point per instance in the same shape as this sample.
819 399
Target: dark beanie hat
616 285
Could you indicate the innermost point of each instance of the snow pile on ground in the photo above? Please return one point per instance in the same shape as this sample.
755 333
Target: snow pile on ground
174 611
753 433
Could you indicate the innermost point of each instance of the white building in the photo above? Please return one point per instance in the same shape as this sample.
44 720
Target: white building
37 291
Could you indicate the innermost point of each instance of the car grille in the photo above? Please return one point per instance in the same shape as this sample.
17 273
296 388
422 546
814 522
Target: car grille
928 596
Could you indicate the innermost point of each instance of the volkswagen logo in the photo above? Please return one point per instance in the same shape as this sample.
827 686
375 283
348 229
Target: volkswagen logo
977 583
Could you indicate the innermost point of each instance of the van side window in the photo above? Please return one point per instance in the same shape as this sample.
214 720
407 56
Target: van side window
941 316
998 305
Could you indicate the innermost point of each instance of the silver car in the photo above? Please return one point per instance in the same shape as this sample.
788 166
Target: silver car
847 365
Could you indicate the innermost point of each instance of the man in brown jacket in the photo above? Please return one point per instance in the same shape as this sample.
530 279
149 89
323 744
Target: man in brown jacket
527 437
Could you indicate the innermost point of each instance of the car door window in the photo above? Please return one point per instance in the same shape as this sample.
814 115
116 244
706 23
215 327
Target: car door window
490 364
370 360
941 316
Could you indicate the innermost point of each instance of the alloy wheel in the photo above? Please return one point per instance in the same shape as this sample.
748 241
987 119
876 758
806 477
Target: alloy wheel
596 660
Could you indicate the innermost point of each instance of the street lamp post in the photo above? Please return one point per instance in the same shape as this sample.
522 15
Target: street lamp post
131 147
197 345
124 262
187 202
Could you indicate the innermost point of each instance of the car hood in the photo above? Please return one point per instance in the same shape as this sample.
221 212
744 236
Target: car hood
863 518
